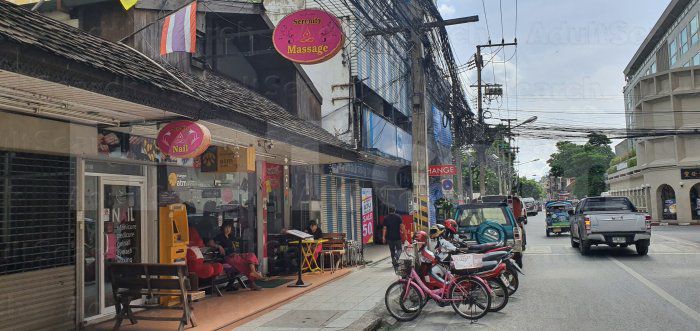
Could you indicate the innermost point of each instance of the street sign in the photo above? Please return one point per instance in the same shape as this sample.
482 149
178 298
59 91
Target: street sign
442 170
447 185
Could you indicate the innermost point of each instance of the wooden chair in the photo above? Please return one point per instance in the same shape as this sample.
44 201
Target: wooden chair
334 247
132 281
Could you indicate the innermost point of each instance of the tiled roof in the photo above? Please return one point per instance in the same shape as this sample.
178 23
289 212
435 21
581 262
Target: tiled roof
30 28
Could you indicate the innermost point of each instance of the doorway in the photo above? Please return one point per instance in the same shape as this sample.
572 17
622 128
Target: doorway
113 231
667 198
695 202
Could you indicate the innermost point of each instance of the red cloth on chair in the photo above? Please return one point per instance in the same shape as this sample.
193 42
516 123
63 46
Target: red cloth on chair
242 263
195 239
195 262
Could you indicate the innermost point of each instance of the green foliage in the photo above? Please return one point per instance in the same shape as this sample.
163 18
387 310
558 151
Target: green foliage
587 163
630 158
531 188
491 177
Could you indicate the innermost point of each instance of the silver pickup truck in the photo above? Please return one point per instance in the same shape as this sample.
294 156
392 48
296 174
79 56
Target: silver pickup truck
613 221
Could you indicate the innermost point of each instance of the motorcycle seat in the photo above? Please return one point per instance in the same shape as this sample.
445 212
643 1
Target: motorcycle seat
486 266
482 247
495 256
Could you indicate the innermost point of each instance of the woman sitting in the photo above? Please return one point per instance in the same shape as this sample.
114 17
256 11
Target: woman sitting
245 263
314 230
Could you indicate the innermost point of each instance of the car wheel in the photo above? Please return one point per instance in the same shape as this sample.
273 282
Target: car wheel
574 244
584 246
642 247
547 233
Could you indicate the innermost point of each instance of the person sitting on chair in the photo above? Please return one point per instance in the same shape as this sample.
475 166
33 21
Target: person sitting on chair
314 230
245 263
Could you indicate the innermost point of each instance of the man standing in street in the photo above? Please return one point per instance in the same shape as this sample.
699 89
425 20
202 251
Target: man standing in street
392 234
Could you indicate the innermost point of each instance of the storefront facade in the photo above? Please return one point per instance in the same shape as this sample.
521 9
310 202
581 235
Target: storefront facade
82 180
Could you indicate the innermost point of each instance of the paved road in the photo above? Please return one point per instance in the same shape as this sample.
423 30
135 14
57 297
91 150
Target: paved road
613 289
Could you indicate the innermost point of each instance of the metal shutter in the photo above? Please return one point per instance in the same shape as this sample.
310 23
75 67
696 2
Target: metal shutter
37 235
329 197
40 300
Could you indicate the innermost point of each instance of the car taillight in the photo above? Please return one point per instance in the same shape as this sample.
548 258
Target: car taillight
587 223
647 221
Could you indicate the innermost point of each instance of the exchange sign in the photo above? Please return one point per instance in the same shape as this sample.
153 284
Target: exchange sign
442 170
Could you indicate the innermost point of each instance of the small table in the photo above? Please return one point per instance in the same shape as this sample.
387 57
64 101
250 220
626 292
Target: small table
307 249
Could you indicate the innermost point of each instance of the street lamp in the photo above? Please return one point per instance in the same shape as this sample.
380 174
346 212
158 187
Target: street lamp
535 160
527 121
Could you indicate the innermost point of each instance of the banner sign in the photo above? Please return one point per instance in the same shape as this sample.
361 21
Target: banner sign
358 170
690 173
367 216
308 36
184 139
442 170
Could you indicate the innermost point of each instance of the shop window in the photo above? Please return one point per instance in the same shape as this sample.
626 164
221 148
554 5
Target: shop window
667 199
695 202
37 214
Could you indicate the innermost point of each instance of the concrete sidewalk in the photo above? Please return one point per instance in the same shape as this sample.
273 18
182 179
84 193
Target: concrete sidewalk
342 304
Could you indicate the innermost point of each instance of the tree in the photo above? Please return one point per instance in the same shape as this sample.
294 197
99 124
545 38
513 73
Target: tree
597 139
530 188
587 163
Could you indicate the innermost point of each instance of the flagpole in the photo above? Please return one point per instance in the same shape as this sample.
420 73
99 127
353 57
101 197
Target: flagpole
156 20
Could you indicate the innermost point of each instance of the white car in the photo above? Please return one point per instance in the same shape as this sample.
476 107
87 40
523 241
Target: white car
612 221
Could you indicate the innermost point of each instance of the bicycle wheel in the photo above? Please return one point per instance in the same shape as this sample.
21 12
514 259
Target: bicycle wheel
403 306
472 298
499 299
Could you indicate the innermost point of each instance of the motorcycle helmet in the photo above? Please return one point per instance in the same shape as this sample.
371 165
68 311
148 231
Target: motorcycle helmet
436 231
420 237
451 226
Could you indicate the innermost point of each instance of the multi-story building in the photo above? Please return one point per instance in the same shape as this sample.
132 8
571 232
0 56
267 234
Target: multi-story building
366 94
662 107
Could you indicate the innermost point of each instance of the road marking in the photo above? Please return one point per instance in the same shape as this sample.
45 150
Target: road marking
678 241
659 291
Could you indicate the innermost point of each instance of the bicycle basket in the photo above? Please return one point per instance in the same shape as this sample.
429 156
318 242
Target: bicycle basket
404 268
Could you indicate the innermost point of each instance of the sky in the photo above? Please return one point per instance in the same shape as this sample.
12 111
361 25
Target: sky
567 69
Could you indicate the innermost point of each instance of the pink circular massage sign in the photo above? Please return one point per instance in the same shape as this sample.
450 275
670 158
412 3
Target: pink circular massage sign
308 36
183 139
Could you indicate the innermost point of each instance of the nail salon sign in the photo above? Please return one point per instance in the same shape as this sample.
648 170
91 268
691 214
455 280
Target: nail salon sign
184 139
308 36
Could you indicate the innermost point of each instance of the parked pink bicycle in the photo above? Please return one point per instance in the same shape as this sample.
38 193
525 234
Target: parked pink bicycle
469 295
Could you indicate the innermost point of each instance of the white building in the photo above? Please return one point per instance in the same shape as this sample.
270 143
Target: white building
662 174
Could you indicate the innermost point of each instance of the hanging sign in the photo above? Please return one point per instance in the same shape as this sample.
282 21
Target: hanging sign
367 216
308 36
228 159
184 139
442 170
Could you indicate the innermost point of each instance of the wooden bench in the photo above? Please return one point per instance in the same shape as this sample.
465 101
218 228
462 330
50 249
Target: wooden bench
132 281
335 246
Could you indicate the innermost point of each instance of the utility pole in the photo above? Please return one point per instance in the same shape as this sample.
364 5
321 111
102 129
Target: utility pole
481 147
419 130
